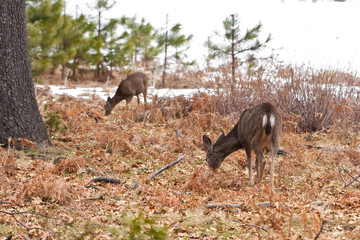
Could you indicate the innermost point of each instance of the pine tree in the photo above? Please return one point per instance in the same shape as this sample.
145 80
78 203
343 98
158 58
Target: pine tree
173 39
80 43
138 40
99 41
44 21
241 48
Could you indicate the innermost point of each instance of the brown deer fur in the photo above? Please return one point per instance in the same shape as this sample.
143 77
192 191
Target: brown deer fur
132 86
259 128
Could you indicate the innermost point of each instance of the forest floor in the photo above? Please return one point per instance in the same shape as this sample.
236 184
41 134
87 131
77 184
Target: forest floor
53 193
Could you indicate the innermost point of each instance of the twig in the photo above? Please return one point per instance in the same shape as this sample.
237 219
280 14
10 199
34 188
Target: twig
328 148
341 175
353 179
252 225
104 179
67 226
167 167
32 213
221 205
321 229
94 199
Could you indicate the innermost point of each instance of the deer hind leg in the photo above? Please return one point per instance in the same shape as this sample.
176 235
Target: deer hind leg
138 99
260 163
273 152
248 156
145 94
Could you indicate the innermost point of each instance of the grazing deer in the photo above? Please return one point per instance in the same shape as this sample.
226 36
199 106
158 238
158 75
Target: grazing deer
133 85
259 128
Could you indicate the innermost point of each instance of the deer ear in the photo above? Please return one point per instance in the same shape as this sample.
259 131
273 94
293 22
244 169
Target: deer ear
108 99
207 142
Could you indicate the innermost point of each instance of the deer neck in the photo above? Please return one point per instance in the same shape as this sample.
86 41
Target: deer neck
229 144
116 99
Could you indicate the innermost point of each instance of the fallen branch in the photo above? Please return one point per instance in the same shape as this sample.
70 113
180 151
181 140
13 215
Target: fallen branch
321 229
56 219
252 225
167 167
104 179
223 205
93 199
353 179
329 149
32 213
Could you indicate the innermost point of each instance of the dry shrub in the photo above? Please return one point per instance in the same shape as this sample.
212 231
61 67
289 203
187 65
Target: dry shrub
173 108
7 162
316 97
354 156
166 199
183 78
201 181
68 165
48 188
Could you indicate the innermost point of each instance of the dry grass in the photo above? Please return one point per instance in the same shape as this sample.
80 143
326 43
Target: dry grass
134 142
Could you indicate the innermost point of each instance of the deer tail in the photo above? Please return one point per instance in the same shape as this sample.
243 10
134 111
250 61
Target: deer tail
268 123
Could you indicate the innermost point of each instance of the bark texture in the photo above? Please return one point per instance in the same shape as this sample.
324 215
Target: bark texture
19 112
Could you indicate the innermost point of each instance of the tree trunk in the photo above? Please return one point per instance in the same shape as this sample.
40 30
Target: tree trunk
233 65
19 112
165 58
165 63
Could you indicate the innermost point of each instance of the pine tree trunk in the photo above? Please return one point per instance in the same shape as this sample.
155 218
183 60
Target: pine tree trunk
233 66
165 64
165 58
19 112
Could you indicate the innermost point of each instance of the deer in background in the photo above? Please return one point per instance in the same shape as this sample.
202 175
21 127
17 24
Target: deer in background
132 86
259 128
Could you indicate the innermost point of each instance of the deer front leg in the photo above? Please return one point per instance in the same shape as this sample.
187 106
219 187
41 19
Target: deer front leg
248 156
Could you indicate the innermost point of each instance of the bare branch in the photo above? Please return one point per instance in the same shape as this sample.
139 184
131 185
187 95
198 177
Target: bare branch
353 178
66 225
223 205
32 213
104 179
166 167
252 225
321 229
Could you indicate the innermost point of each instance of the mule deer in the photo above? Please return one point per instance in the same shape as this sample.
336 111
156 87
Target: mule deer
259 128
132 86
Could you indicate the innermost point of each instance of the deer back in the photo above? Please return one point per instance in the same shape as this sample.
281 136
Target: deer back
260 126
133 85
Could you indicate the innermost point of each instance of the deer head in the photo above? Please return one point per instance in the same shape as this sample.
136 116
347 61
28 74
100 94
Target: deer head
214 157
110 104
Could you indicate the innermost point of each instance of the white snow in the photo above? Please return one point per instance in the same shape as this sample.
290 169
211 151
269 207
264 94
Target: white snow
86 92
323 34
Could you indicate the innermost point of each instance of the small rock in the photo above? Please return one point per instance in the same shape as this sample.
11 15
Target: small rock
264 204
317 203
